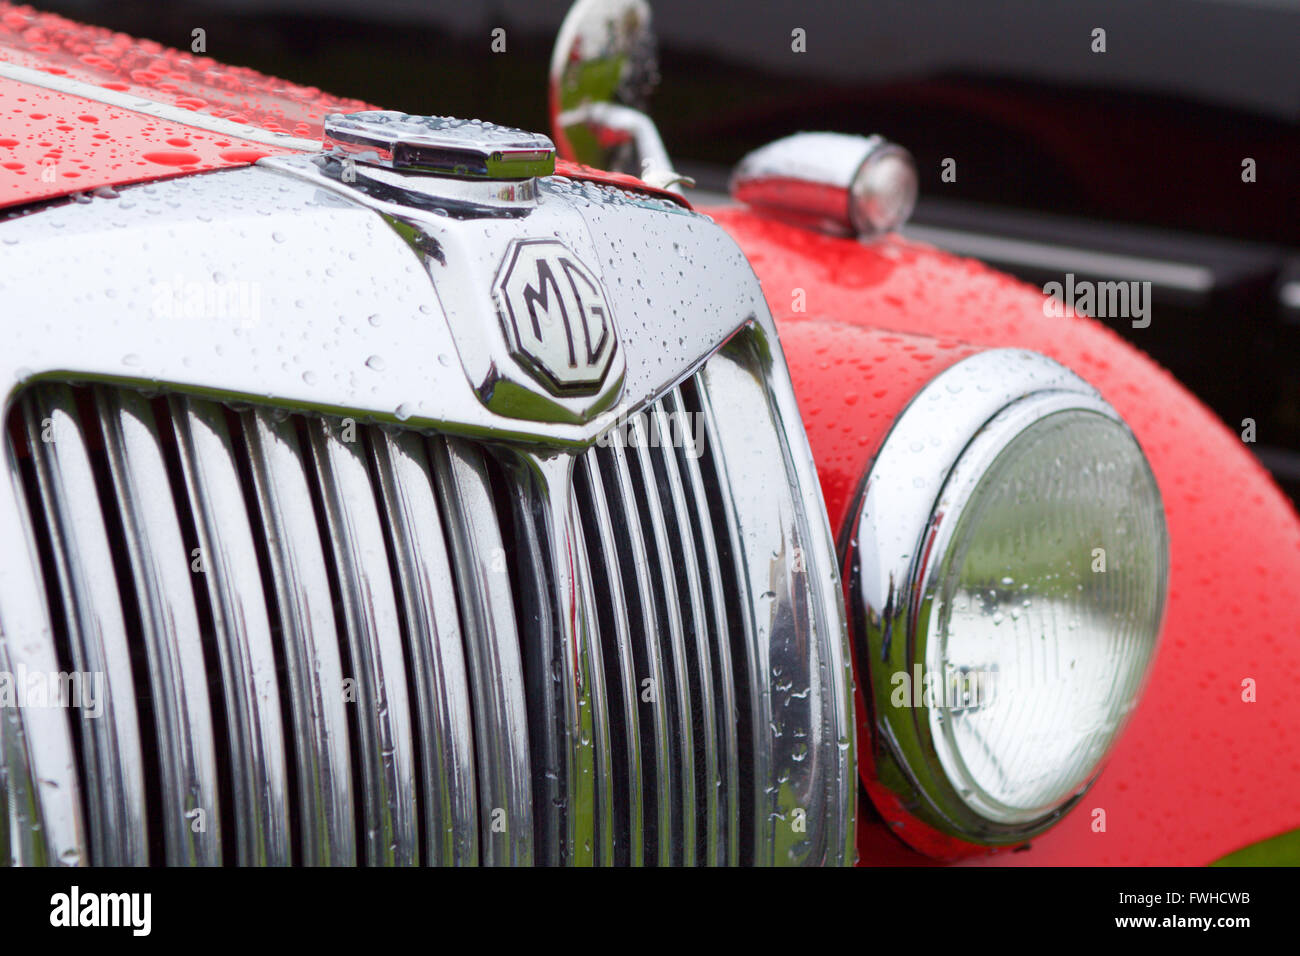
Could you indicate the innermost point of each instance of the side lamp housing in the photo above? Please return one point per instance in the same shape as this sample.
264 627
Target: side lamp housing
836 183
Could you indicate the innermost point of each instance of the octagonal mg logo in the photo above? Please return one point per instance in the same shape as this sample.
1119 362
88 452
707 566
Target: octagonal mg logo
556 318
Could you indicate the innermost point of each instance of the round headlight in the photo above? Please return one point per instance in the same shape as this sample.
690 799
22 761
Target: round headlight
1011 563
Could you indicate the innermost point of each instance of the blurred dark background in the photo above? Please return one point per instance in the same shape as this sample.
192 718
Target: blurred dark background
1125 164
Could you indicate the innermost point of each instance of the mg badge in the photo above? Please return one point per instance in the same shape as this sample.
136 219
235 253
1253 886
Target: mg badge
556 318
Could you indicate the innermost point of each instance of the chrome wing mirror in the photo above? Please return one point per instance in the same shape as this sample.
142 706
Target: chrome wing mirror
845 185
603 70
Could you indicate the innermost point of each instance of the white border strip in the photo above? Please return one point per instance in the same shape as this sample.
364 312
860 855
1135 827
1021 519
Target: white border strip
173 114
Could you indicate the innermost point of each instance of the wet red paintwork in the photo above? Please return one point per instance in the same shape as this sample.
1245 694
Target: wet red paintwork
54 44
1198 773
564 167
108 153
53 143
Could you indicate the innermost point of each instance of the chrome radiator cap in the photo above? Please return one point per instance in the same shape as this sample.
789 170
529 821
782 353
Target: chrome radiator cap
439 145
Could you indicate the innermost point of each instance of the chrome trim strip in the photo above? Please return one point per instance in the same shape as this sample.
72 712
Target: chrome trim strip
310 645
433 632
492 650
374 641
169 624
798 664
243 632
622 638
163 111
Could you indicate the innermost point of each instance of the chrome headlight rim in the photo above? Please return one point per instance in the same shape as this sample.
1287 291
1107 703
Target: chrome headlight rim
926 472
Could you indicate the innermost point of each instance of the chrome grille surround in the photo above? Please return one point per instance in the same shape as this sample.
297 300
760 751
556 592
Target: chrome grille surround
447 561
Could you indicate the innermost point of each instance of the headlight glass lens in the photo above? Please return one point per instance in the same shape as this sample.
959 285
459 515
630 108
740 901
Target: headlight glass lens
1044 607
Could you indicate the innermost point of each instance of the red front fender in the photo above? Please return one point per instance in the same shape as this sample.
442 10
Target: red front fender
1199 772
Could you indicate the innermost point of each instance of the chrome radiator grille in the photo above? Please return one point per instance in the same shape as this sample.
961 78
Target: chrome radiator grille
332 643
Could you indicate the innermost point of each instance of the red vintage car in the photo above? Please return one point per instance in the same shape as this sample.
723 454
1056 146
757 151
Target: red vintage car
388 489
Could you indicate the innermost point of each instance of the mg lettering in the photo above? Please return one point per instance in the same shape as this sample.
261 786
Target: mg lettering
555 316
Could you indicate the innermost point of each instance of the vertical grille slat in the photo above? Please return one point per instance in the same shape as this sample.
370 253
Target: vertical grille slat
308 633
671 620
611 623
660 742
432 627
585 772
753 714
568 765
93 617
685 402
539 617
666 613
231 574
40 787
168 622
492 651
370 616
697 644
595 720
